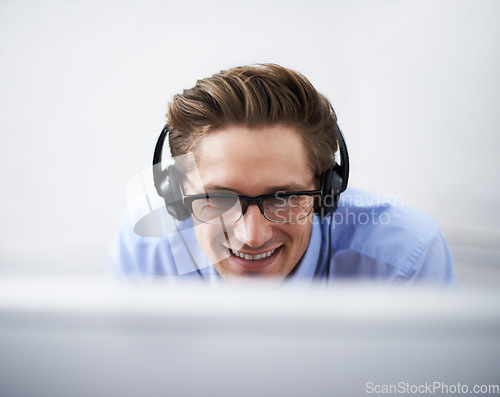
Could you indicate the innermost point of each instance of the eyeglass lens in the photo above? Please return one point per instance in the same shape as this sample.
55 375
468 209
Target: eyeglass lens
227 208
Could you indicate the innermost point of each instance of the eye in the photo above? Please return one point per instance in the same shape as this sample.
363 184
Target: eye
213 206
220 201
300 201
290 201
287 208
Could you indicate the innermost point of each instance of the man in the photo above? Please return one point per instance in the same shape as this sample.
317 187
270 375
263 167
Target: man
254 191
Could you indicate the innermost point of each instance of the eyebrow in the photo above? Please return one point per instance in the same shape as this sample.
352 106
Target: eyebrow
273 189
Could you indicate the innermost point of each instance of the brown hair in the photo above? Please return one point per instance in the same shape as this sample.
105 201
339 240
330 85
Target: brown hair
255 96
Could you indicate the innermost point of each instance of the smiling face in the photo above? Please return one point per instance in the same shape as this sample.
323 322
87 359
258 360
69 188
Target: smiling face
252 162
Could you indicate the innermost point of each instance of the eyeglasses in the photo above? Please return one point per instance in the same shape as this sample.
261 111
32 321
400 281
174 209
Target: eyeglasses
226 207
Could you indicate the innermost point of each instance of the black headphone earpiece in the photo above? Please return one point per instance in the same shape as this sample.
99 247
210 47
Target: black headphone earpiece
168 181
333 181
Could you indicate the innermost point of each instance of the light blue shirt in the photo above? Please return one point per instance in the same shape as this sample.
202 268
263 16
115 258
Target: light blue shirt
369 237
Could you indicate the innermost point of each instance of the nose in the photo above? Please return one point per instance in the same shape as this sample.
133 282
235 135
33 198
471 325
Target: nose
253 228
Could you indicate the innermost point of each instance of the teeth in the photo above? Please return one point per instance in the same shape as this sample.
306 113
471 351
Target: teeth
253 257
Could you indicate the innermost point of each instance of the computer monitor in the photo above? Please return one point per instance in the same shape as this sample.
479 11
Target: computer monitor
87 337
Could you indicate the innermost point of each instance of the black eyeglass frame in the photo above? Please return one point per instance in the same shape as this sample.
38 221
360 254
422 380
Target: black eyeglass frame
245 201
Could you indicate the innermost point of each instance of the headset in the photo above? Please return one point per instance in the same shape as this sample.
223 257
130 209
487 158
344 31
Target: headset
333 181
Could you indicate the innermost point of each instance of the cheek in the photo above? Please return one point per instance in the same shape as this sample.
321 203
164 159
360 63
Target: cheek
204 235
299 238
209 239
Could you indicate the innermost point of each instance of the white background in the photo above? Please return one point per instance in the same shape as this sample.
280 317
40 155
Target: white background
85 84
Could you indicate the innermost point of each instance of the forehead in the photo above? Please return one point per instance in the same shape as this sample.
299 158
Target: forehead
254 161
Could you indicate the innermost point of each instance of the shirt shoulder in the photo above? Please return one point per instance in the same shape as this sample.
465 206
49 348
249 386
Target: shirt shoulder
383 237
151 246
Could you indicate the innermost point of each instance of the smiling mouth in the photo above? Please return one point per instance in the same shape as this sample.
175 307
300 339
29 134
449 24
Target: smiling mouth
252 257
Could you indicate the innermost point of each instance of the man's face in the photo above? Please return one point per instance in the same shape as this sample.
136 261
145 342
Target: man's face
253 162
